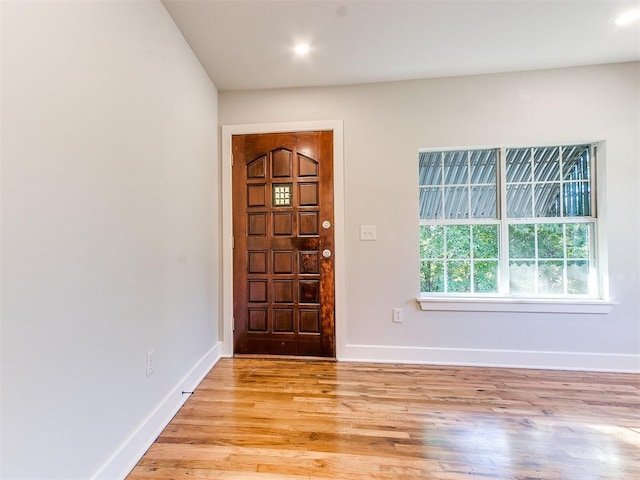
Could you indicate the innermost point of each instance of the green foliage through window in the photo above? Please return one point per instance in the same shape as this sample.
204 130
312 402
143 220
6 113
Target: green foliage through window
459 258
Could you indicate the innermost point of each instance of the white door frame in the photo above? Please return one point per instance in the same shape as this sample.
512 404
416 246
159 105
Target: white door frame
226 310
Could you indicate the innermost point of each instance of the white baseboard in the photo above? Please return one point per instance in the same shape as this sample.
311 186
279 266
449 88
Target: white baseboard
492 358
126 457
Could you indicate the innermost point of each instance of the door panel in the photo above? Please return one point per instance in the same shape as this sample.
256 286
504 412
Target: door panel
283 222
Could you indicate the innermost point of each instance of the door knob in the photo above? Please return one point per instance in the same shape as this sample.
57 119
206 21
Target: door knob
326 253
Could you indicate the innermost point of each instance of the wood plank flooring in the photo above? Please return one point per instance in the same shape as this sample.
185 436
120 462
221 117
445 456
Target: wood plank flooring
288 419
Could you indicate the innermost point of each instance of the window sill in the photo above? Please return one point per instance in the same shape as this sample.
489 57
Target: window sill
524 305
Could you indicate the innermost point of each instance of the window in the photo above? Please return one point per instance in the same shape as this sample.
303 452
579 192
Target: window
518 222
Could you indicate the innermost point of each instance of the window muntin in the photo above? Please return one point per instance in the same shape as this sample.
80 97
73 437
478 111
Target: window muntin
550 258
458 184
530 234
547 182
459 258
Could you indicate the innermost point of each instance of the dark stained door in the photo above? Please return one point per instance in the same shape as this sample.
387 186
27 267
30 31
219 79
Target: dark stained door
283 262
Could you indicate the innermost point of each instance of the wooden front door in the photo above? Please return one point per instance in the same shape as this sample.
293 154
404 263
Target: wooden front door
283 264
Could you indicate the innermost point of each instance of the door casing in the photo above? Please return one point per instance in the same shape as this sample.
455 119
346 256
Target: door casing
226 292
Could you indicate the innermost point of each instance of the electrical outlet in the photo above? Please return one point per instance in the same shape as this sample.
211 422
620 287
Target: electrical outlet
367 232
149 363
397 315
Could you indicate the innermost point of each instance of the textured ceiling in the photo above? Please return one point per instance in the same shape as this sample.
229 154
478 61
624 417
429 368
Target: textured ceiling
248 44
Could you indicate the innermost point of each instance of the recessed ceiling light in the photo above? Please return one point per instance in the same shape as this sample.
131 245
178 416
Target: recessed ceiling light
302 49
629 17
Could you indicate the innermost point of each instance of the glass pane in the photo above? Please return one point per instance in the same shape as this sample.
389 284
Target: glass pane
455 168
431 276
522 276
485 276
522 241
281 194
550 241
548 200
575 163
577 199
430 172
459 276
483 202
577 235
519 203
430 203
485 241
550 277
578 277
456 202
483 166
431 241
458 241
518 165
546 163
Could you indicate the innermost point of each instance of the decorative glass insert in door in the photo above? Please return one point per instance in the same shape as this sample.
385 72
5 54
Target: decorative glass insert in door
282 195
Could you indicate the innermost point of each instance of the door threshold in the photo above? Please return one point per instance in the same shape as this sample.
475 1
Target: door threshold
266 356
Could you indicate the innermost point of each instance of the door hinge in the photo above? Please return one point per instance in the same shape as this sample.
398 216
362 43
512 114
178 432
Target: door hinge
233 241
232 159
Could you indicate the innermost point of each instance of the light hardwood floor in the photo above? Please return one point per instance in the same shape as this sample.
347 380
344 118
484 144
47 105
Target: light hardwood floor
292 419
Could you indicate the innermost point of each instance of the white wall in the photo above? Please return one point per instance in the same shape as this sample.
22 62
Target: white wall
109 232
386 124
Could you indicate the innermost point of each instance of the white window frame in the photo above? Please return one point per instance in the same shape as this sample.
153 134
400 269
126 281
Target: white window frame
600 303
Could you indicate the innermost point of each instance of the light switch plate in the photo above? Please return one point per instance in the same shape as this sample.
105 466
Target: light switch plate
367 232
